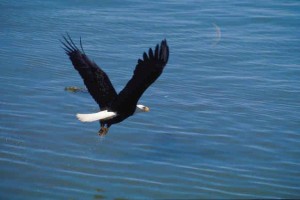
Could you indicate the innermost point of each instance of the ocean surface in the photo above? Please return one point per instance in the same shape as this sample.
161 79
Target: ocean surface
224 118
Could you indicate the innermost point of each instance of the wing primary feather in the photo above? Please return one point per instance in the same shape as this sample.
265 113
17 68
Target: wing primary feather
66 48
150 54
161 51
164 51
145 57
81 45
68 44
74 46
156 52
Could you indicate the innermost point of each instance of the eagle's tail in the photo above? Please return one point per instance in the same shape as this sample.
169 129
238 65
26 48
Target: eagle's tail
102 115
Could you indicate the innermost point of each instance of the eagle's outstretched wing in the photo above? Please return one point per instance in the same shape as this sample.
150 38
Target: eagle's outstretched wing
95 79
146 72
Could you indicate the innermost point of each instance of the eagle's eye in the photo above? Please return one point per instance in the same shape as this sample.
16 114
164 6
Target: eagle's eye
146 109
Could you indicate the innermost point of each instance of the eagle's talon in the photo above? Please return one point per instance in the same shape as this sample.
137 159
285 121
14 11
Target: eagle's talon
103 131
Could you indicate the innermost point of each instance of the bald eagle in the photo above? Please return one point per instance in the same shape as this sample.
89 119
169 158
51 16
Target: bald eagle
114 107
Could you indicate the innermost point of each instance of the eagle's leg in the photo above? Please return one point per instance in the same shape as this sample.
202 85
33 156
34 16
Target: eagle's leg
103 131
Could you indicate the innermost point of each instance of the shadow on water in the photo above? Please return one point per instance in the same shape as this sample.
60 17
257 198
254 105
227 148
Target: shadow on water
99 195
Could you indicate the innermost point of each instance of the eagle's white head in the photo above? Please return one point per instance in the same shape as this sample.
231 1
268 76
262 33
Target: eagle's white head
141 108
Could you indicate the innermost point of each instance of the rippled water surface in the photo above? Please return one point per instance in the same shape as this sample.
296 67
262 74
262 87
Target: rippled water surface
224 119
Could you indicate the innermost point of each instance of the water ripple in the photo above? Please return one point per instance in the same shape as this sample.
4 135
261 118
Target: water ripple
224 116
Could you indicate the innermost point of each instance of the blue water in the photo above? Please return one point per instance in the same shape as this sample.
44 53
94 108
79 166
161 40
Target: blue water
225 114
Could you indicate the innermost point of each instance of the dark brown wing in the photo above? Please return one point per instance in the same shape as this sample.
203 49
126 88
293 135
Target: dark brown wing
95 79
146 72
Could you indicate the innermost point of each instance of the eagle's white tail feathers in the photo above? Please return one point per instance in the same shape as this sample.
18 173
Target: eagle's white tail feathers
96 116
